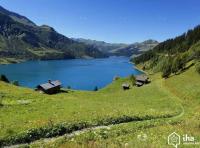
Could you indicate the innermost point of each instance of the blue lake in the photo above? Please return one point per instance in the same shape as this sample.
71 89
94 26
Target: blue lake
77 73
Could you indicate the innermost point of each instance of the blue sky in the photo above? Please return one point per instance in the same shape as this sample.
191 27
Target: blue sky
117 21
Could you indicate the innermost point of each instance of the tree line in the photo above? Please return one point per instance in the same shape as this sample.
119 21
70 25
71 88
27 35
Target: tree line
177 45
171 56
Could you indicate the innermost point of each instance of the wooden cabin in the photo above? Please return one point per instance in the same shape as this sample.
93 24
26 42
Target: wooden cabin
141 80
138 84
51 87
125 86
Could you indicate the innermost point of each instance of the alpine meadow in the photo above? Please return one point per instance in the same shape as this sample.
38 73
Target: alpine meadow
70 92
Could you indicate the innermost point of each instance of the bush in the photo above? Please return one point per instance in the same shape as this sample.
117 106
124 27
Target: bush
116 78
132 79
166 73
4 78
167 68
1 99
175 65
198 67
196 52
183 61
16 83
95 88
143 68
1 104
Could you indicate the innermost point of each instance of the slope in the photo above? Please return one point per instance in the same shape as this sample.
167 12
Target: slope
185 91
20 39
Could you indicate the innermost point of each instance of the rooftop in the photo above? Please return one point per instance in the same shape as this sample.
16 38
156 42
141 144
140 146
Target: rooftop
50 84
142 77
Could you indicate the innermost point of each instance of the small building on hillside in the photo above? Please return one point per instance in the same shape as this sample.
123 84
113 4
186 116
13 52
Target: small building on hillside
51 87
141 80
125 86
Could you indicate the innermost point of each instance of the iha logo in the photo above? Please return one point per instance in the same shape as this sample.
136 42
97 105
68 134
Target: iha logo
187 139
174 139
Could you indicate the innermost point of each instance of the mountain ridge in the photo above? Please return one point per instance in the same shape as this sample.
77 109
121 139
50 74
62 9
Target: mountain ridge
22 41
173 55
120 49
17 17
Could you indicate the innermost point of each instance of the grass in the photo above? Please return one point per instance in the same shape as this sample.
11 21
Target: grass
172 105
183 89
24 108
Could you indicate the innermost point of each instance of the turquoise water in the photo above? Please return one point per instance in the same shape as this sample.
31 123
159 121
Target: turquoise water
77 73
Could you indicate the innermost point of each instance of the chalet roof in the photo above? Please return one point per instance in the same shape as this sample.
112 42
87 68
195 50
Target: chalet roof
50 85
139 83
56 83
142 77
125 85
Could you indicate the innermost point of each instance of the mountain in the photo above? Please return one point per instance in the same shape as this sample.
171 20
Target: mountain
21 39
173 55
135 49
17 17
120 49
101 45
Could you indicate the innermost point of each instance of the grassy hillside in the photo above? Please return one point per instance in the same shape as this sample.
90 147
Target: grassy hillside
23 109
156 109
20 39
173 55
139 117
172 47
182 93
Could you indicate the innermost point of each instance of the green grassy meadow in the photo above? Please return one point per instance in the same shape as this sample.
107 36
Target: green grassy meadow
156 110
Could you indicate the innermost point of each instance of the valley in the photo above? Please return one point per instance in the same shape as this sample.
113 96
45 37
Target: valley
69 92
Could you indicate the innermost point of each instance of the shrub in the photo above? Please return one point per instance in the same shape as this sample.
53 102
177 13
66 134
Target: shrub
144 68
116 78
9 131
1 104
4 78
166 73
183 61
132 79
198 67
195 53
95 88
1 99
167 68
175 66
16 83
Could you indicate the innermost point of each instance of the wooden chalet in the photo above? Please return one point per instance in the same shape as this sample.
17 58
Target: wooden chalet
141 80
125 86
51 87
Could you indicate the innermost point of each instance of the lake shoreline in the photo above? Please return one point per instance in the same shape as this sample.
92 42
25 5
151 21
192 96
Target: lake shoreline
18 61
78 74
